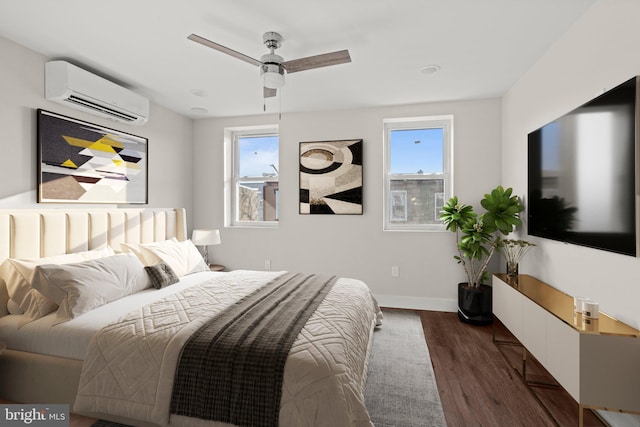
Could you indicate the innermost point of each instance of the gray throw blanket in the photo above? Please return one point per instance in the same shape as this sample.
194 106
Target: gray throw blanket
231 369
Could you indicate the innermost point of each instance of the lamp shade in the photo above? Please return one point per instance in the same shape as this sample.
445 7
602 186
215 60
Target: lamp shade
202 237
273 80
272 70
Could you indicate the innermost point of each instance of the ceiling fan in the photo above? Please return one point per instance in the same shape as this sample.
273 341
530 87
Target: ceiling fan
273 67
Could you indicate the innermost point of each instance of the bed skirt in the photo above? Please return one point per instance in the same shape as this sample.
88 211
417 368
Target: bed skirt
38 378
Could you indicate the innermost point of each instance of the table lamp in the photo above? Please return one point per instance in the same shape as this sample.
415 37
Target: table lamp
202 237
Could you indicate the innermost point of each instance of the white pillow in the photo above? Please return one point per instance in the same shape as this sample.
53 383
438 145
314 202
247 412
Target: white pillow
80 287
4 309
146 257
183 257
18 275
13 308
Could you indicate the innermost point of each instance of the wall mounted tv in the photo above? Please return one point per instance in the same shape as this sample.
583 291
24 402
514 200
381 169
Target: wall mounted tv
583 171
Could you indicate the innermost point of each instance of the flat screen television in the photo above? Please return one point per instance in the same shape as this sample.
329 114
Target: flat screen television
582 174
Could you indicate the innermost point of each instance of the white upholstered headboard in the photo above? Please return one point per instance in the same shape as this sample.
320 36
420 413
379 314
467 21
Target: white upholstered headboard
37 233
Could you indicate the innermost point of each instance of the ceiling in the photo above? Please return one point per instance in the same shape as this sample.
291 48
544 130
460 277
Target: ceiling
482 47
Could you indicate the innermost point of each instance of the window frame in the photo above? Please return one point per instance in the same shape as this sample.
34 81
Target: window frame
444 122
233 178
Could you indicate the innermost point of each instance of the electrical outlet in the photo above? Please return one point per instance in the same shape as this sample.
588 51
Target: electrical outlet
267 264
395 271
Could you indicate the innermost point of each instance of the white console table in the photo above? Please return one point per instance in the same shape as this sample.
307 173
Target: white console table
596 361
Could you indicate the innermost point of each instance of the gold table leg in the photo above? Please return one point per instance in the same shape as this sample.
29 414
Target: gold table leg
580 416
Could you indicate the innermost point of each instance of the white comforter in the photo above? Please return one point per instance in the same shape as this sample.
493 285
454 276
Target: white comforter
129 366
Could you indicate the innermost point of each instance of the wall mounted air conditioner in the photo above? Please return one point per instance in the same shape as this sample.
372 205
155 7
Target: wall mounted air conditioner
74 87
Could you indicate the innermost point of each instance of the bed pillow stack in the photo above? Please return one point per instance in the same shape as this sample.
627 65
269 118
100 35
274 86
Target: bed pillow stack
73 284
183 257
18 276
80 287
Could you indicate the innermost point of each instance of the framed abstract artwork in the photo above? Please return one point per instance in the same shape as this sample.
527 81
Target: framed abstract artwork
80 162
331 177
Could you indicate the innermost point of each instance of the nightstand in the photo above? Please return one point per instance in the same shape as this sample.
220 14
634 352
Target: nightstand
216 267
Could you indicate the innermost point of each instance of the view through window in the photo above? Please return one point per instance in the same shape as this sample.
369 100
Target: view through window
256 175
417 164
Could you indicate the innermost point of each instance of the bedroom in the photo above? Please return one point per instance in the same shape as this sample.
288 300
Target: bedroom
579 64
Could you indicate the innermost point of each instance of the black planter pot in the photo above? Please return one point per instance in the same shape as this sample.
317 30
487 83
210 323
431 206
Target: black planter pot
475 304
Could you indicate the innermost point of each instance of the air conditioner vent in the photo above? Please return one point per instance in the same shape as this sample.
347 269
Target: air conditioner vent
105 110
70 85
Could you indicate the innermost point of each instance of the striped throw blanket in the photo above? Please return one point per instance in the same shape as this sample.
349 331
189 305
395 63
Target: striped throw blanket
231 369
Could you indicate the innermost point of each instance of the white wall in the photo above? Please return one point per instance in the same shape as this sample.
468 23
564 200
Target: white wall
353 246
181 152
22 88
598 52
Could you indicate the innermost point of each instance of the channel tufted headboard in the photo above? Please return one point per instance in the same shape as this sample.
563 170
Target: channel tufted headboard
36 233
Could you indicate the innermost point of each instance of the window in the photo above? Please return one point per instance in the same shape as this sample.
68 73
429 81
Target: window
418 171
254 174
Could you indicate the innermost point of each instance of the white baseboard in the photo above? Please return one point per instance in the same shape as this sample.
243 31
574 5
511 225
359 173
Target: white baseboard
417 303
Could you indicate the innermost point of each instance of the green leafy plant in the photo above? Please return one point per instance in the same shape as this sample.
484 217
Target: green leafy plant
478 236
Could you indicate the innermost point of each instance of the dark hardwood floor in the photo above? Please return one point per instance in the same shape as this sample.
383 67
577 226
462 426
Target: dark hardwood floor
479 387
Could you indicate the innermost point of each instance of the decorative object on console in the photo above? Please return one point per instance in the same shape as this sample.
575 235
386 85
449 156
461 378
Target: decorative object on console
80 162
477 237
577 304
331 177
590 309
203 237
513 250
512 271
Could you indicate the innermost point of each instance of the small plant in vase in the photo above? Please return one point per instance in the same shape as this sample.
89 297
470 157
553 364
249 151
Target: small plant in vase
513 250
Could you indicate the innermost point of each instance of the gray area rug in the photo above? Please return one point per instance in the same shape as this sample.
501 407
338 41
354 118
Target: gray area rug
401 388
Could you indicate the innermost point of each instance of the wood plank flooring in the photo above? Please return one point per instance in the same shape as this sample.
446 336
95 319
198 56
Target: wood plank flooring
478 386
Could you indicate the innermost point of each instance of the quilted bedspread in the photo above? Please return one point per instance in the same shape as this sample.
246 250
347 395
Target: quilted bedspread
130 365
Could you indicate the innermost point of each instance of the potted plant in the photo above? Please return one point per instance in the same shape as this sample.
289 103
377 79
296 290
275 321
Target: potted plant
477 237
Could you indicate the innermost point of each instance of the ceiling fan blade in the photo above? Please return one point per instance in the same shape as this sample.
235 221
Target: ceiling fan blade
317 61
269 93
213 45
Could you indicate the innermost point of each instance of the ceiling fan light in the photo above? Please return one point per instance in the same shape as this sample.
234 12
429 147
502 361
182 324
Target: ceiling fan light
272 75
273 80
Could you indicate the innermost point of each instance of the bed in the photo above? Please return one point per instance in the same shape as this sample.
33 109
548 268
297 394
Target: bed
124 359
